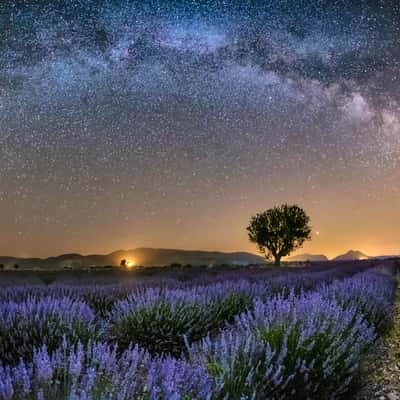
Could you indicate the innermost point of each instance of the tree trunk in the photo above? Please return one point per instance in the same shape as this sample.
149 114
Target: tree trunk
277 261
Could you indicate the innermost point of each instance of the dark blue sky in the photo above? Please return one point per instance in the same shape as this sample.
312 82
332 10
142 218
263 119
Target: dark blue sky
168 124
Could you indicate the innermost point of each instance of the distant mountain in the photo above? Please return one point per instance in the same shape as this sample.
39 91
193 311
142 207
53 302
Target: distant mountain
352 255
139 256
308 257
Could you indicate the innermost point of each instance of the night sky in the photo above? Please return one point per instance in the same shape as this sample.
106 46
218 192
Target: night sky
168 124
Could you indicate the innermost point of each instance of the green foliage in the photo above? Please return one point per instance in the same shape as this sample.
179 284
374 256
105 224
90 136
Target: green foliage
102 303
21 335
277 363
164 328
222 311
279 230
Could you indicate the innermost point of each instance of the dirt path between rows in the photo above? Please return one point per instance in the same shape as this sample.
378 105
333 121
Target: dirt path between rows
383 368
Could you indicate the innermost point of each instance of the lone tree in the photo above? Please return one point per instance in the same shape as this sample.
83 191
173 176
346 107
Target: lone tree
279 230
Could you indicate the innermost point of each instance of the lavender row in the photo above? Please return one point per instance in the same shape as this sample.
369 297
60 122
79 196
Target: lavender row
291 345
101 295
11 288
43 321
157 318
99 372
299 347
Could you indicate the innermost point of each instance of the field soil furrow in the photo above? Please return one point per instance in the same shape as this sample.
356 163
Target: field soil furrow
382 370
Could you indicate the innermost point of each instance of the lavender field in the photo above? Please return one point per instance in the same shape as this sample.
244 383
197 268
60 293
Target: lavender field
255 334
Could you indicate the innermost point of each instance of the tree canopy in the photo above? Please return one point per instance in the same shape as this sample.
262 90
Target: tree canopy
279 230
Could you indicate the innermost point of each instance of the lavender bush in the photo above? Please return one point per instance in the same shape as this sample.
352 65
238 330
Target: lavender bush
36 322
371 293
300 347
161 323
298 335
99 373
159 318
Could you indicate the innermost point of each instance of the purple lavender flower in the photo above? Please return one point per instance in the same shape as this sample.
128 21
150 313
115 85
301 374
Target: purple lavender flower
292 346
293 335
35 322
102 375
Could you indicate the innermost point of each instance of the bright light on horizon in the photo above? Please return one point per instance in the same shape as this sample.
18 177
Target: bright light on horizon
130 264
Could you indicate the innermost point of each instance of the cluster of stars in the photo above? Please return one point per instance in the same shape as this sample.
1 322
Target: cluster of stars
144 119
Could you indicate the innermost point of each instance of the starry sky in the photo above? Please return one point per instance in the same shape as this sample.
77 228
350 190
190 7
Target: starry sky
168 124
